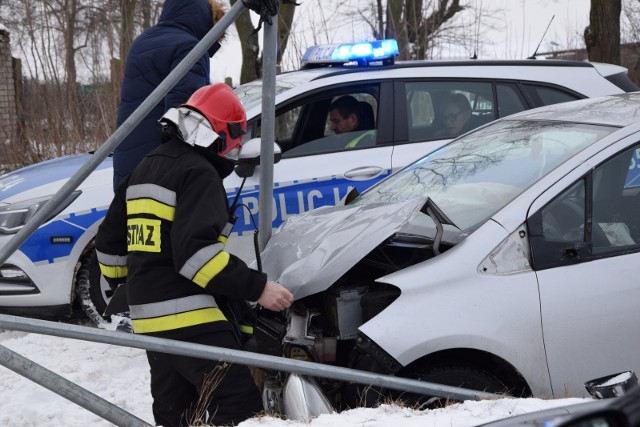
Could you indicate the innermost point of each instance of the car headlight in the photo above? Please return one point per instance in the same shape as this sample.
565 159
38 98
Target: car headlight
15 215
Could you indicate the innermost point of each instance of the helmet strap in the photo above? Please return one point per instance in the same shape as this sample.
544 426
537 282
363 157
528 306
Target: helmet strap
221 142
168 130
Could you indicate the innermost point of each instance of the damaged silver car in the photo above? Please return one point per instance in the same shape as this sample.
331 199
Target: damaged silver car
506 261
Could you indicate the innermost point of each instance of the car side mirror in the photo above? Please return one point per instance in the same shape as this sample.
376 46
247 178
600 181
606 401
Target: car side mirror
612 385
249 157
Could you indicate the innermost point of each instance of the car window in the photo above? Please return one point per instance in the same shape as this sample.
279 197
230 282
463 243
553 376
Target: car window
306 127
595 217
286 122
547 95
438 110
563 219
510 101
616 200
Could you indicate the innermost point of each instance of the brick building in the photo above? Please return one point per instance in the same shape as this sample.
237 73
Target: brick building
8 92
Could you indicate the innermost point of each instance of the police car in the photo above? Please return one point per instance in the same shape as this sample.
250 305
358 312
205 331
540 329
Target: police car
57 263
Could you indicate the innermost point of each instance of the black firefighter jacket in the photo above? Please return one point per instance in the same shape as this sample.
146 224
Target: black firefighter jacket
165 233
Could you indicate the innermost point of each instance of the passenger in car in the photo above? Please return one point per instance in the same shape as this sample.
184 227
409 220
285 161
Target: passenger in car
455 114
347 114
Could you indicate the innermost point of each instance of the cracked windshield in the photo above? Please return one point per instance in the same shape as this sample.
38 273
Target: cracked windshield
474 177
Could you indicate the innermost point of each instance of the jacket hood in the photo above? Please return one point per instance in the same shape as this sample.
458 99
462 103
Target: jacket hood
193 15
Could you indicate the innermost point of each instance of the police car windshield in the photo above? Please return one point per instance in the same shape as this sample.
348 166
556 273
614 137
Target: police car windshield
250 94
475 176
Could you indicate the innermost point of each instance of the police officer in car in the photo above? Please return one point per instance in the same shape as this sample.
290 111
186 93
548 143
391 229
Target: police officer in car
165 233
347 114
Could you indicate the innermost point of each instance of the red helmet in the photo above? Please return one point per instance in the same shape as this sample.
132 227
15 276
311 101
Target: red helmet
222 108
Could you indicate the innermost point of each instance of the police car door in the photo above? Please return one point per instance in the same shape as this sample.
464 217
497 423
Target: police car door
318 165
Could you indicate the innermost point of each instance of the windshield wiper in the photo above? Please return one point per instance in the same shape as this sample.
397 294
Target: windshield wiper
439 218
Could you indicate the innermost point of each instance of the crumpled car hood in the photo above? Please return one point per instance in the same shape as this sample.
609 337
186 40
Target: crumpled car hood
310 251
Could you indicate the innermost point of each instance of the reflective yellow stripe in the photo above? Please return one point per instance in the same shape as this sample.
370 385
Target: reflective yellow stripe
176 321
246 329
111 272
152 207
172 306
223 239
355 142
211 269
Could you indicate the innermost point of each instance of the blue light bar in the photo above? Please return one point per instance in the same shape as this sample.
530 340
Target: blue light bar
361 52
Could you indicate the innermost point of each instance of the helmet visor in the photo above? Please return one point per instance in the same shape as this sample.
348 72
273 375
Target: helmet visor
233 154
194 128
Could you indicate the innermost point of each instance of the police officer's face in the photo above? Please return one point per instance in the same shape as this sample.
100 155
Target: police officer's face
454 118
341 124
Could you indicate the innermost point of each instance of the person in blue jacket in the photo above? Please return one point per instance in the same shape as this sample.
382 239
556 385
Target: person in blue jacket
153 55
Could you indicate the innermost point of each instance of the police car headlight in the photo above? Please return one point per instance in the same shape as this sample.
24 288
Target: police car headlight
12 272
15 215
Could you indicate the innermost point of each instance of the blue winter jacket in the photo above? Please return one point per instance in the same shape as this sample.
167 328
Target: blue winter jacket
153 54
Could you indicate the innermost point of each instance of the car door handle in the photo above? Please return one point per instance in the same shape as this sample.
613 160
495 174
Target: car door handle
363 173
572 253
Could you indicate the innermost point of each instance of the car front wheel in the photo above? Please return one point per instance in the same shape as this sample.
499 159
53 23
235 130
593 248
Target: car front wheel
465 376
92 291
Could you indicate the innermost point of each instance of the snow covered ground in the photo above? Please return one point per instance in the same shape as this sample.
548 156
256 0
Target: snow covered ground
121 376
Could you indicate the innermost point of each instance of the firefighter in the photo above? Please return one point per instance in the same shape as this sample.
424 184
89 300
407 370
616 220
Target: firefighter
165 234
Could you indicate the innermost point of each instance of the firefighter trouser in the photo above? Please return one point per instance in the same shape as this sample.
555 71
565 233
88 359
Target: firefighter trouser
227 392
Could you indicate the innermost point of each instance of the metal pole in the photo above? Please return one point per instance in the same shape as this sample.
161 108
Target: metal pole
237 356
68 389
123 130
265 204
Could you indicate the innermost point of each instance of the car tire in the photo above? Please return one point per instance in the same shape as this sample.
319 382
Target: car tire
464 376
92 295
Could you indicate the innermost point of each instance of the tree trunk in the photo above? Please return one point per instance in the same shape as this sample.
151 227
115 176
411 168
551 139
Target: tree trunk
127 9
251 63
146 14
413 12
285 19
396 28
602 36
69 48
249 46
380 16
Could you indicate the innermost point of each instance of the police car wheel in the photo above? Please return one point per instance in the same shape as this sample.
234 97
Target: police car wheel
91 293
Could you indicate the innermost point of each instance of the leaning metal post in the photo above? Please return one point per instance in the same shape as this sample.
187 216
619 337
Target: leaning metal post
67 389
237 356
265 203
123 130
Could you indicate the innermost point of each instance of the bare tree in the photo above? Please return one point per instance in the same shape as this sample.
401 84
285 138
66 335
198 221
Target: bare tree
61 44
127 27
630 29
249 43
421 25
602 36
